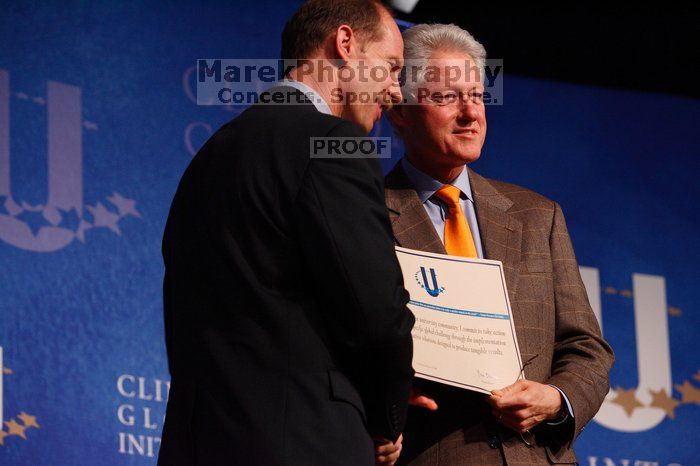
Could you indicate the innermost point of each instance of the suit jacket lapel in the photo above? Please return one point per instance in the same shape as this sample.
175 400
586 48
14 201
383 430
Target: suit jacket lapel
501 233
411 225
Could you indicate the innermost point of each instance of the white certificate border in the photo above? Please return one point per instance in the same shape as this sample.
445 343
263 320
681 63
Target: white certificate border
489 262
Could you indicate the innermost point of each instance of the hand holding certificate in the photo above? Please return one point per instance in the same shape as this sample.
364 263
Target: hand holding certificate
464 333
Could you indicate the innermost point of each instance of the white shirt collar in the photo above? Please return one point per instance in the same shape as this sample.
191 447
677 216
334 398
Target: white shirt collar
311 94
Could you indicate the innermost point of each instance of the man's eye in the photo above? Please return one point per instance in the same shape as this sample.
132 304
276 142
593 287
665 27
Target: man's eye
444 97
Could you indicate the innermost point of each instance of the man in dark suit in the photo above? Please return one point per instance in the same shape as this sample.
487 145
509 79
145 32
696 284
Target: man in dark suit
437 204
286 324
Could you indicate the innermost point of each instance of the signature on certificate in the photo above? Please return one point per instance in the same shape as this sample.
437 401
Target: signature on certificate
487 378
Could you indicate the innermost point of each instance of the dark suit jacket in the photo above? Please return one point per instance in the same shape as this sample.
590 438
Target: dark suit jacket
286 324
553 321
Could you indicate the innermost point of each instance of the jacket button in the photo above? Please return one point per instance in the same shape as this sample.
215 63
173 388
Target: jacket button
494 441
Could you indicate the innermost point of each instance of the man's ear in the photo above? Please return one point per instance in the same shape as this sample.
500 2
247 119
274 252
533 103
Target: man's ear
345 42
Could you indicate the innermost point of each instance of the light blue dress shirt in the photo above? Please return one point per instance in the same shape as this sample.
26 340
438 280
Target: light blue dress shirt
425 187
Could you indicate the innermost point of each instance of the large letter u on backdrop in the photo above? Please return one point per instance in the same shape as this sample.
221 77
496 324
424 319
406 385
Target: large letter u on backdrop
653 352
65 170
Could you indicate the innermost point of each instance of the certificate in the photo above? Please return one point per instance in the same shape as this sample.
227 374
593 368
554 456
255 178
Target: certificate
464 333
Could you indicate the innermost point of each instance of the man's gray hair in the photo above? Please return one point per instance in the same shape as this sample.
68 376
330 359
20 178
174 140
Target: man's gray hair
423 40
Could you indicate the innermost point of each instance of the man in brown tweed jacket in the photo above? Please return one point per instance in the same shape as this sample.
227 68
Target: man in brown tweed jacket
536 420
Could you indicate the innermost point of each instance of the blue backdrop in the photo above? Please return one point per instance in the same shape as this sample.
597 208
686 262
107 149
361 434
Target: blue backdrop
97 123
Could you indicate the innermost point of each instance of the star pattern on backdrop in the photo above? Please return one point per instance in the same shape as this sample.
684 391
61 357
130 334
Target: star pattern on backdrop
660 399
28 420
690 393
99 215
34 219
611 290
124 205
83 226
13 428
627 399
69 219
52 215
16 429
104 218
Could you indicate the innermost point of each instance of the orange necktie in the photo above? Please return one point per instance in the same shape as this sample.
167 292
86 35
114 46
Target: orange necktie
458 237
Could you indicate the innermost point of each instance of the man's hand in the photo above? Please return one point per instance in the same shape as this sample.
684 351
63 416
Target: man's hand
420 399
385 452
525 404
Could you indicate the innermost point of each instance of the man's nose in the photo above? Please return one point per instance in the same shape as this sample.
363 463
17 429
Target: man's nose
391 96
395 92
468 109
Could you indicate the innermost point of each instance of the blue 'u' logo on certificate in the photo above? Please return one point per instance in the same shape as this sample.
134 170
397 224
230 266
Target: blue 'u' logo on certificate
431 287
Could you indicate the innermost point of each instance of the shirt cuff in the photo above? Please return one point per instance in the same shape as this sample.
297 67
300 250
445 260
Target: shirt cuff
569 410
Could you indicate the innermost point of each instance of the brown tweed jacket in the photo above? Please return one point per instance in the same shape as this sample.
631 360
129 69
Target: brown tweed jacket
553 319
